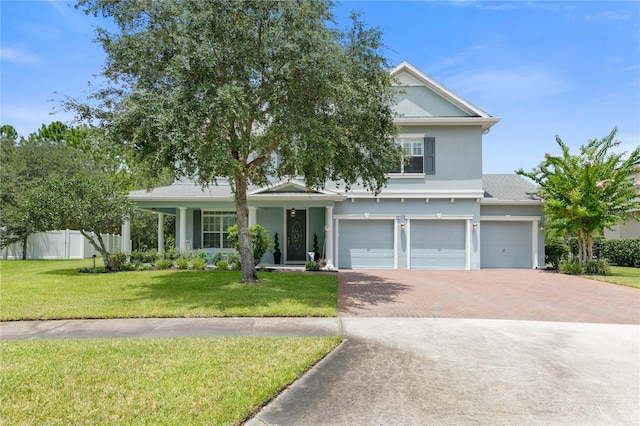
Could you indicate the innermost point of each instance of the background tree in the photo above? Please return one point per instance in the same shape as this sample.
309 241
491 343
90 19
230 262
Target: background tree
585 193
27 164
215 89
64 204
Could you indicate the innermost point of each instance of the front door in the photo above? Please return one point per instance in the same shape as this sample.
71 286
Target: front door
296 235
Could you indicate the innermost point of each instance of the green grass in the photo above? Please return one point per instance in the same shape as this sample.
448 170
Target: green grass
148 381
40 289
622 275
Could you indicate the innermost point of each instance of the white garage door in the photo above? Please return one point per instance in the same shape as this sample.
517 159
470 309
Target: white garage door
438 244
505 244
365 244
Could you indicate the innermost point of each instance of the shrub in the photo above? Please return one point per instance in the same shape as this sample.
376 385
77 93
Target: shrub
625 252
171 254
163 264
199 263
597 267
260 240
569 268
182 263
143 267
127 267
311 265
118 259
146 256
222 265
234 261
555 250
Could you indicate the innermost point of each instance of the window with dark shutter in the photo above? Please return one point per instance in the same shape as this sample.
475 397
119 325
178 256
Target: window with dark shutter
418 156
429 155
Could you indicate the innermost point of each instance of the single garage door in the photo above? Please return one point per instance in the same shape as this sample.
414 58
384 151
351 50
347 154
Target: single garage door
437 244
505 244
365 244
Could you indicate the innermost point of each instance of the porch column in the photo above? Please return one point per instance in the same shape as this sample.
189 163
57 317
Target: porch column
183 228
252 216
328 235
125 238
160 232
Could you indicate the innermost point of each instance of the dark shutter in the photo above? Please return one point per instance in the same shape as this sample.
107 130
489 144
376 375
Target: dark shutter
197 229
429 155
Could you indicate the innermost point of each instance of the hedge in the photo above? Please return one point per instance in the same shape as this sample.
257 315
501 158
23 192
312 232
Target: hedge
625 252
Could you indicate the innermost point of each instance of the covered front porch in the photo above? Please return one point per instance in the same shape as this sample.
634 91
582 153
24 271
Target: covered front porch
302 218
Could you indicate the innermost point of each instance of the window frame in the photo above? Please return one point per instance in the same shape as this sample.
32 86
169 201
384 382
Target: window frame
221 231
414 138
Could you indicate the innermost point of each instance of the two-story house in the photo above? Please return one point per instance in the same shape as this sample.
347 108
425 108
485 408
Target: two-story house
631 227
438 210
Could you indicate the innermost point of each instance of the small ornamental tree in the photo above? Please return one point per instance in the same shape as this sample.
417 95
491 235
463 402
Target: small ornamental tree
260 240
217 89
585 193
93 206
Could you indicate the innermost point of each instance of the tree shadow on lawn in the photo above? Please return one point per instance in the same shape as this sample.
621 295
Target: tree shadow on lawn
219 293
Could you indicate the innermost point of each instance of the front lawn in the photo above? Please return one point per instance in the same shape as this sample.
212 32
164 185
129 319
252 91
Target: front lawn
149 381
622 275
41 289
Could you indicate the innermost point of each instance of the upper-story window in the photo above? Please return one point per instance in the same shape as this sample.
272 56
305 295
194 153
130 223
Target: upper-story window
418 155
215 229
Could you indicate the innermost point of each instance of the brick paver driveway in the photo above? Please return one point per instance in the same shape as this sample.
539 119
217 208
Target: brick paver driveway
489 293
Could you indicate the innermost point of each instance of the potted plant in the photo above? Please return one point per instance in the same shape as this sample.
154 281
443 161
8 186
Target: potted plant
277 255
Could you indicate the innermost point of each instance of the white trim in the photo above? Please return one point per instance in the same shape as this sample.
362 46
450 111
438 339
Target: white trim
364 216
511 218
433 194
396 248
407 231
534 244
467 245
439 216
497 202
485 123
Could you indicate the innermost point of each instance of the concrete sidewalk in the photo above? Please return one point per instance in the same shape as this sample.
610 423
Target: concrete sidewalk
422 371
168 327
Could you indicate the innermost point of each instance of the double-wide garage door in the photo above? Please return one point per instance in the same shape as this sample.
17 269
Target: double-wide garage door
505 244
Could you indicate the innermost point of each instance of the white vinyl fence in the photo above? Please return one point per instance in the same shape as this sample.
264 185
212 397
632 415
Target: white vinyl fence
65 244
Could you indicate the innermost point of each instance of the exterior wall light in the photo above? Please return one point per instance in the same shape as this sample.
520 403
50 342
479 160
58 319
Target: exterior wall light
293 212
475 226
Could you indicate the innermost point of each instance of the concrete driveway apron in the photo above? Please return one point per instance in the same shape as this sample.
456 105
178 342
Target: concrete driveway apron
520 347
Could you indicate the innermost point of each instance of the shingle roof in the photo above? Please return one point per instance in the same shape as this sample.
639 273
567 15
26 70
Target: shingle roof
183 190
504 187
507 187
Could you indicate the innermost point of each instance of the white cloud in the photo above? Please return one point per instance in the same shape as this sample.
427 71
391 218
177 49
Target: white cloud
17 55
508 84
26 118
483 4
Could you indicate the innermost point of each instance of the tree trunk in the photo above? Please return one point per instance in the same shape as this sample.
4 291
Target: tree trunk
24 247
589 247
100 248
244 239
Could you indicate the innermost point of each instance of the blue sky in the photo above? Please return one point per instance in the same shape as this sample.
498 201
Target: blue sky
566 68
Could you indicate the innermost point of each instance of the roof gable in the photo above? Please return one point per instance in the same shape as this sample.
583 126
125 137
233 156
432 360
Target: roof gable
425 97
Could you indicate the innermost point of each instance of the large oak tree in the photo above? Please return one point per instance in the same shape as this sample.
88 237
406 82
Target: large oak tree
213 89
